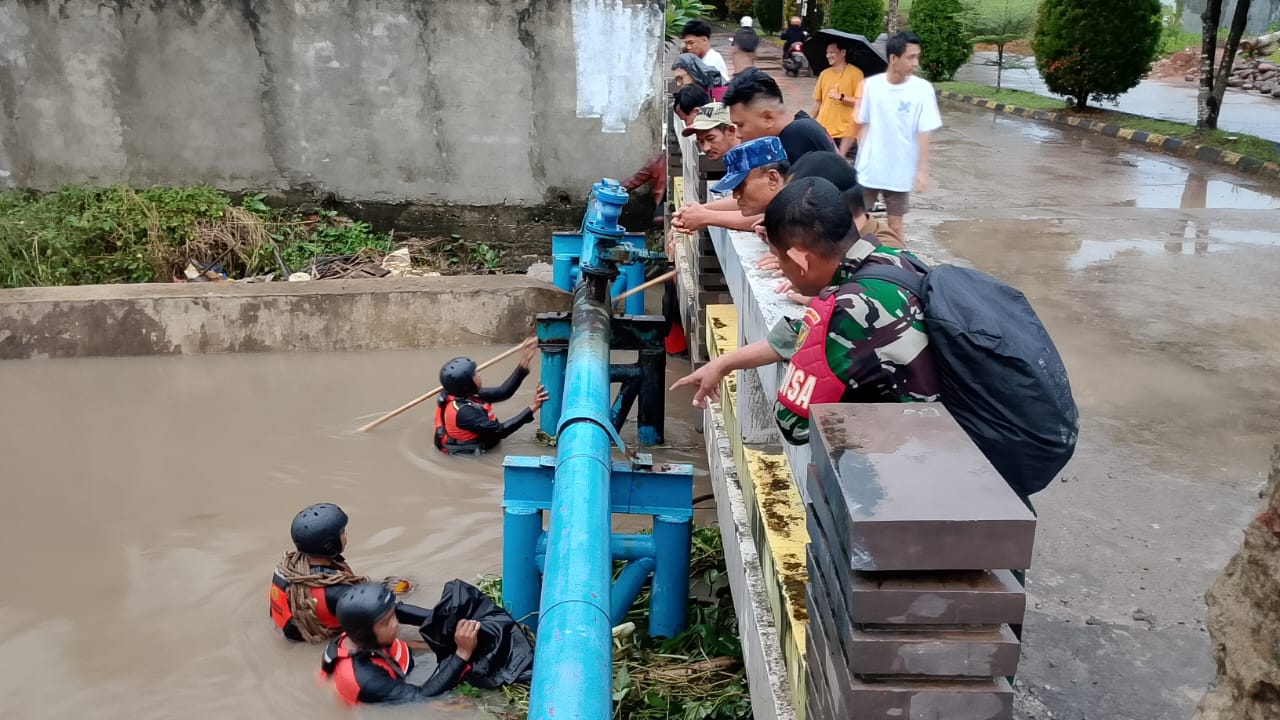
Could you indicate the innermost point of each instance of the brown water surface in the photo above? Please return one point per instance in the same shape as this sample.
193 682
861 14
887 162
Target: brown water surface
146 501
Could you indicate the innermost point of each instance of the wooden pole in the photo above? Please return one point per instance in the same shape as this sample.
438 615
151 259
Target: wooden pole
428 395
645 285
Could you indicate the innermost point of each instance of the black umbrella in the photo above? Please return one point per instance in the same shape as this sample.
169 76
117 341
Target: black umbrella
859 52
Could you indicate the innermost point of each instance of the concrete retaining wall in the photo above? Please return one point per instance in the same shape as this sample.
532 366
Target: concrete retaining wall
505 102
111 320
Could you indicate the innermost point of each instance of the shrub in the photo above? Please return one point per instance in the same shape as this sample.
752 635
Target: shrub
679 12
768 15
944 36
1095 48
863 17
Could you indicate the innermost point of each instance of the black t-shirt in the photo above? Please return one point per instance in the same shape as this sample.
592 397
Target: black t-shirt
792 34
804 135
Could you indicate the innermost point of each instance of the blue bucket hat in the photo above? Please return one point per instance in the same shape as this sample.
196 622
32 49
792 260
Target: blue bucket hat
742 159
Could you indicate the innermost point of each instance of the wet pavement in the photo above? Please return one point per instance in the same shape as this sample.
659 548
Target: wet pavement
147 501
1163 99
1156 277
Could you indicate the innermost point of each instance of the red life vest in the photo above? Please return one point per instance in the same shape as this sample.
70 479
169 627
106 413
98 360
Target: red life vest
282 613
447 430
809 379
337 663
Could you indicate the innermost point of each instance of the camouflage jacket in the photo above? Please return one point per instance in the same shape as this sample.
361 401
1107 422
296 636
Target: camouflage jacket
875 345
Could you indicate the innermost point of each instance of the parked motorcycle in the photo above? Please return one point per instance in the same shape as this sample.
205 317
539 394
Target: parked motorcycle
793 60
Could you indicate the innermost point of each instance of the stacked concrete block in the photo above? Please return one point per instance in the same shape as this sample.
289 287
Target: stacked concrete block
912 540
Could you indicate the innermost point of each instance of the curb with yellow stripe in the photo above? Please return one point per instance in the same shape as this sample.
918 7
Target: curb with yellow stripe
1154 141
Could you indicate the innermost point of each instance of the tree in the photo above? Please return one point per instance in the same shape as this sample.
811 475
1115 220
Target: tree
944 40
891 19
1095 48
768 15
1214 85
1001 28
862 17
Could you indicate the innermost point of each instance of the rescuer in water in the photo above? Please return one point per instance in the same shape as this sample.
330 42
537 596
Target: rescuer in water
465 423
369 662
310 580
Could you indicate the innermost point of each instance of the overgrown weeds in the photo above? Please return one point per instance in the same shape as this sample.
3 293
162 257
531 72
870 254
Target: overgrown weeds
82 235
696 675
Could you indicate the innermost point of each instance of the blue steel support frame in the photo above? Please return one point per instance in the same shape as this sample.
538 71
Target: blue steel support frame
663 492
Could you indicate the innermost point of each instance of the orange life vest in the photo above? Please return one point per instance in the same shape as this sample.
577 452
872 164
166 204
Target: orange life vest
337 663
447 430
282 613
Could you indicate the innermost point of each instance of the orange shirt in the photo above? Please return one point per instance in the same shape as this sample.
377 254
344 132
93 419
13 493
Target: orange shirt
834 116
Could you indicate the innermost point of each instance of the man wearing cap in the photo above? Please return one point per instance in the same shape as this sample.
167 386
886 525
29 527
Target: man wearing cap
716 133
753 173
858 341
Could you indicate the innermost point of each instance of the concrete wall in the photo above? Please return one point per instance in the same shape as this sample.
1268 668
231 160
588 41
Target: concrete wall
325 315
509 102
1261 14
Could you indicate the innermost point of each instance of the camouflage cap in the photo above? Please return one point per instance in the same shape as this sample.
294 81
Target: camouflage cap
741 160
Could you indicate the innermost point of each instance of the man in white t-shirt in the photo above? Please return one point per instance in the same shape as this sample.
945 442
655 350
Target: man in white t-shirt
696 36
898 112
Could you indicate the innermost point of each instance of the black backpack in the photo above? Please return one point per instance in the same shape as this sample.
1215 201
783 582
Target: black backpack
1000 375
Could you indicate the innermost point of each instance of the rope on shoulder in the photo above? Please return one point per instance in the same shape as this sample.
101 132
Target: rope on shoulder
296 570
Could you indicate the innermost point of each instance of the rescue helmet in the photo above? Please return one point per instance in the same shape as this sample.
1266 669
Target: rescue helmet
360 608
458 377
317 530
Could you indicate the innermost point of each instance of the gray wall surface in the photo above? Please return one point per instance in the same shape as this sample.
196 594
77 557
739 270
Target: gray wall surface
437 102
1261 14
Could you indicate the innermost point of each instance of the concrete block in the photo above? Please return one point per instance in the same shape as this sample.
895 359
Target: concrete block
940 700
935 652
943 598
908 490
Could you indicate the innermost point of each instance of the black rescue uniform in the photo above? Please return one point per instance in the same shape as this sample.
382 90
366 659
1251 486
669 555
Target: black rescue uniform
468 425
378 676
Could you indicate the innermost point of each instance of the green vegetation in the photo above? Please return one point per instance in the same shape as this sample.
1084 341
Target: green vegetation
945 42
863 17
679 12
768 15
986 7
696 675
84 235
1000 28
1249 145
1095 48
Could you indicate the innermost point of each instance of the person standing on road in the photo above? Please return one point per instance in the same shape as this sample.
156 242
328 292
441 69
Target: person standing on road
835 98
745 44
696 36
897 112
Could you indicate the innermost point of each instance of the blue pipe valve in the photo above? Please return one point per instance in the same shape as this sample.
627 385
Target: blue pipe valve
601 233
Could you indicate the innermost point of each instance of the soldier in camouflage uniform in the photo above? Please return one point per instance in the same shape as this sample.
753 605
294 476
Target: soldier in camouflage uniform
859 340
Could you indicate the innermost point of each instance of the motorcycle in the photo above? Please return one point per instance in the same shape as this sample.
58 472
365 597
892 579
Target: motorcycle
793 60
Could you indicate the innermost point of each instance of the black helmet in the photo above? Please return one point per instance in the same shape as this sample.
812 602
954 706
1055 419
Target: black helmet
360 607
458 377
317 530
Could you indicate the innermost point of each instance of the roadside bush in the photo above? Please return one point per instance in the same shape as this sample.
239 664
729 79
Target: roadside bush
768 15
679 12
1095 48
945 42
863 17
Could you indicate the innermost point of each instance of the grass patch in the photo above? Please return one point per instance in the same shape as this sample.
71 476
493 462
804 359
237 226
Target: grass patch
82 235
986 7
1249 145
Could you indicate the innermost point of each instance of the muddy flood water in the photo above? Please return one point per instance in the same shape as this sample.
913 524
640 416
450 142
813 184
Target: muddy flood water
147 500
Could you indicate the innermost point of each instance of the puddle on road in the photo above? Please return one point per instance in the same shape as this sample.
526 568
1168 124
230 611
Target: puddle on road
1149 180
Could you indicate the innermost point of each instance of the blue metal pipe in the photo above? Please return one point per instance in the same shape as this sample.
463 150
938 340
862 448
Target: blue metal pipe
521 528
670 598
622 546
628 585
573 656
